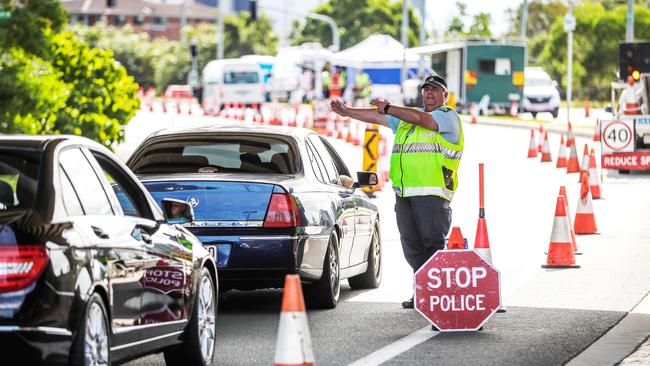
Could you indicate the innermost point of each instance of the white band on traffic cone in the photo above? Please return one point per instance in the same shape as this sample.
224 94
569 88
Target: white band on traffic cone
293 346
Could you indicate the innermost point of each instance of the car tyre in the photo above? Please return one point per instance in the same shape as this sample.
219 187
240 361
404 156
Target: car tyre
371 278
534 115
555 112
325 293
199 337
91 345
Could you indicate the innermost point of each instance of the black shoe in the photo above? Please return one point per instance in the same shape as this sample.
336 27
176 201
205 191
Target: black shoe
434 328
408 304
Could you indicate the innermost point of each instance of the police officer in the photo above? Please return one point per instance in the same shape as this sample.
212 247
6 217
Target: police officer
423 167
362 87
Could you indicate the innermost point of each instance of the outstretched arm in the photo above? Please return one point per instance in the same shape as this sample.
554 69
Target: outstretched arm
369 115
409 115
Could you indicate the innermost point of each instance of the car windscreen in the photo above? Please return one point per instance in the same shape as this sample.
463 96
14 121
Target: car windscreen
537 80
18 178
228 154
241 77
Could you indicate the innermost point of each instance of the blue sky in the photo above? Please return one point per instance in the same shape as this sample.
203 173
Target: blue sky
440 12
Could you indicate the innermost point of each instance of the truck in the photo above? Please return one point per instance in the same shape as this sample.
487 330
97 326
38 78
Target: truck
486 72
625 138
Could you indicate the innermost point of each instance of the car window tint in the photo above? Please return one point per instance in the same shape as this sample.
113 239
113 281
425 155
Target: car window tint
128 194
70 199
333 175
18 178
315 163
227 154
85 182
341 167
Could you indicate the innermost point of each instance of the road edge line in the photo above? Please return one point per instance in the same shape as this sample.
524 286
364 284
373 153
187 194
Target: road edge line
396 348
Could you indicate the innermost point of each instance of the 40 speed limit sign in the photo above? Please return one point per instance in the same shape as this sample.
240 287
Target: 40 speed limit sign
618 135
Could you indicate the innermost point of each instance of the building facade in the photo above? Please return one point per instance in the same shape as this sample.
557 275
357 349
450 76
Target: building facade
156 19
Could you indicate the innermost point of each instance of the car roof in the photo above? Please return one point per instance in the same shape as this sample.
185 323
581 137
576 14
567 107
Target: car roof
39 142
295 132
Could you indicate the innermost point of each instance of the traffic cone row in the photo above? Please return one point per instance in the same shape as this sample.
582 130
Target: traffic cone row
532 148
594 181
546 150
560 249
585 221
574 243
561 155
572 164
456 240
584 166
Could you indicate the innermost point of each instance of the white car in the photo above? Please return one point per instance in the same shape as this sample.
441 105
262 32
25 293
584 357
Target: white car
540 92
232 81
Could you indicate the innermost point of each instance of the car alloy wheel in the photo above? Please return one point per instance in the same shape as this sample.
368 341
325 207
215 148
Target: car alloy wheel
96 337
206 317
376 255
335 273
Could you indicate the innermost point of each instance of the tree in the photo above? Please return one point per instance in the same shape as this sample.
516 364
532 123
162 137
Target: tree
356 20
457 27
50 82
596 38
480 24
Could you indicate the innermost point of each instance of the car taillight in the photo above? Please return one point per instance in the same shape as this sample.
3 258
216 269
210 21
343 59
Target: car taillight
20 266
282 211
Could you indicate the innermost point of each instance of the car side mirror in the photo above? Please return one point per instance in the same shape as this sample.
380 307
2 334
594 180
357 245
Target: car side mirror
177 211
366 179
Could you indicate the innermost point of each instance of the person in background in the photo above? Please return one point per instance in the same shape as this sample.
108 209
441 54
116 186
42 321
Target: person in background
362 88
326 80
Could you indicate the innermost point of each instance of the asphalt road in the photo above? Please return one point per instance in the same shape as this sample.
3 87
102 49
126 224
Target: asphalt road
552 315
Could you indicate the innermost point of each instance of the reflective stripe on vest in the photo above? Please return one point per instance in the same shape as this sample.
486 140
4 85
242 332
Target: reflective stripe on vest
423 163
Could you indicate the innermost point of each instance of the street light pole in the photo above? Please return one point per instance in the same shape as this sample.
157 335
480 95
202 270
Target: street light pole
629 29
570 27
220 30
524 21
405 40
183 20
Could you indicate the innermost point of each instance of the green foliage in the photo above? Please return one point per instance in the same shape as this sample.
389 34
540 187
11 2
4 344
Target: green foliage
102 94
356 21
31 24
50 82
163 62
31 93
480 26
596 38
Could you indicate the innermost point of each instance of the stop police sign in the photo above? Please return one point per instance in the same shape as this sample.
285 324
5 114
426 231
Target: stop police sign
457 290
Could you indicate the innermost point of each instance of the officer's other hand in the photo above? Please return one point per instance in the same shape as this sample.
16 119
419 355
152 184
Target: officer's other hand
337 106
380 104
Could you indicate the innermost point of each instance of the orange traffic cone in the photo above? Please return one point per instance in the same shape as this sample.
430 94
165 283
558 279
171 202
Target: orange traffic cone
587 108
352 131
532 148
572 165
560 251
584 166
561 155
293 346
456 240
594 184
540 141
574 243
597 131
546 150
585 221
570 140
482 242
473 111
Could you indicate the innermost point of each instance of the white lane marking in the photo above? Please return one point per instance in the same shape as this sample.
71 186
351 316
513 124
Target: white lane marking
392 350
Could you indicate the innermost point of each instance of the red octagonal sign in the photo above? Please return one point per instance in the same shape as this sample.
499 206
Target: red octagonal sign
457 290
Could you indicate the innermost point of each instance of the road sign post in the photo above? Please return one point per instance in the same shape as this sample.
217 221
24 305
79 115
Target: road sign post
457 290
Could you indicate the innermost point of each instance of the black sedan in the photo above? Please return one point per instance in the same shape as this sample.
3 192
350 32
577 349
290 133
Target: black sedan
91 270
269 201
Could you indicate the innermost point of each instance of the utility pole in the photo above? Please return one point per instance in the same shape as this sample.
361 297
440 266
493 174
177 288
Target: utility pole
183 20
569 26
629 29
524 21
405 39
220 45
423 35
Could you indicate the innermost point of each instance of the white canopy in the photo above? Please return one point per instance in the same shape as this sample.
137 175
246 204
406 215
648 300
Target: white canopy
376 51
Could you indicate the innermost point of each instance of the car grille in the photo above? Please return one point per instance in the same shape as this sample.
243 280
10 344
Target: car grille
539 99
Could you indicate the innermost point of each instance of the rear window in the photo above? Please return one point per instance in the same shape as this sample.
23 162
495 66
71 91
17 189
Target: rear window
241 77
241 154
18 178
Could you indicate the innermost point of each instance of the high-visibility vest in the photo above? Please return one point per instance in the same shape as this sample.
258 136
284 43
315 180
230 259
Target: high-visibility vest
325 76
423 163
362 85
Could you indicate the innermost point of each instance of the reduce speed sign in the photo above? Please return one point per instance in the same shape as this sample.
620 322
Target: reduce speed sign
617 136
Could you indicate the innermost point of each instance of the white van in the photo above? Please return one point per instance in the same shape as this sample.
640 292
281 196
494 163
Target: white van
540 92
232 81
288 81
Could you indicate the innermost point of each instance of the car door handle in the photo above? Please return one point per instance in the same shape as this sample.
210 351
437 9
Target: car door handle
99 232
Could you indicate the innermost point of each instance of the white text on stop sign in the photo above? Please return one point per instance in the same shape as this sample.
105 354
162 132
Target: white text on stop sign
462 277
